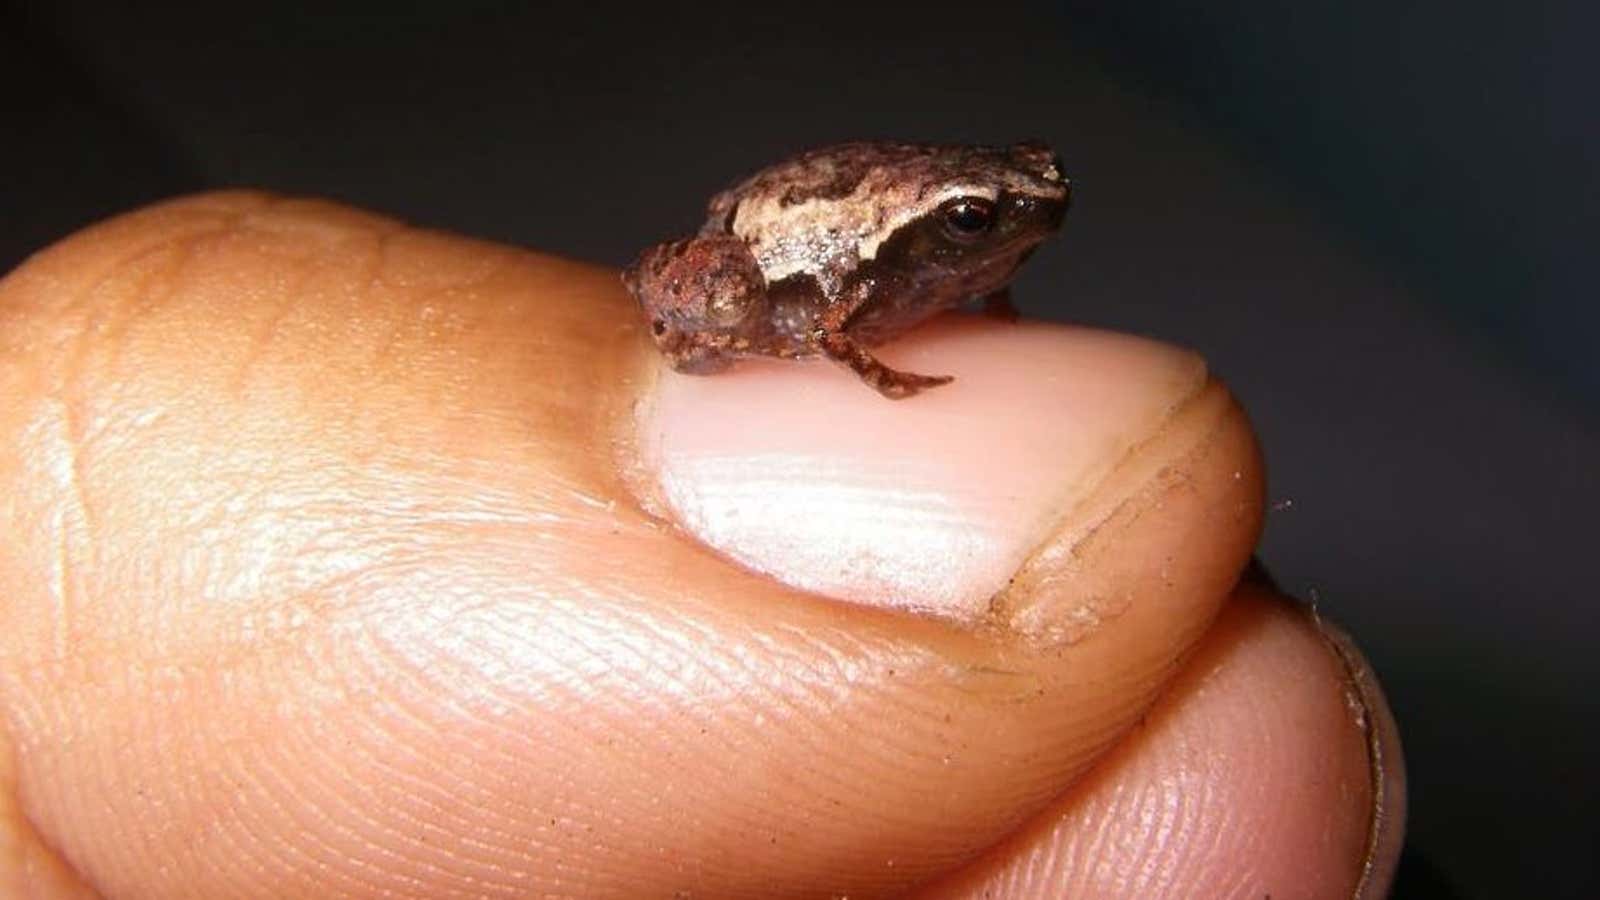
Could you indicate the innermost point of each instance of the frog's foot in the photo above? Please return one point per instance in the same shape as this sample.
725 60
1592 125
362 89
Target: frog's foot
998 305
898 385
892 383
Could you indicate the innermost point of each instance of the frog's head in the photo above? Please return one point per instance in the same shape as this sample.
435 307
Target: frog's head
973 209
703 299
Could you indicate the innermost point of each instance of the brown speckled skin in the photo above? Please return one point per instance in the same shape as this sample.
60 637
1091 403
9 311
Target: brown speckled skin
845 247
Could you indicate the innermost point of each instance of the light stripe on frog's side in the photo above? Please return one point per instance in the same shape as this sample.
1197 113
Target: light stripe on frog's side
791 240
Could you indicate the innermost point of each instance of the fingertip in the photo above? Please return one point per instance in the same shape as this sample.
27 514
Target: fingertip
1254 775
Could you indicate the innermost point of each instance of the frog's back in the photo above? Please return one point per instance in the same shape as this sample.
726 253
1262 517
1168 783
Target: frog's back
826 173
819 213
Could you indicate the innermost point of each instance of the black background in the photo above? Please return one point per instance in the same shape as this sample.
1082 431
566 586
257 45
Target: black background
1377 221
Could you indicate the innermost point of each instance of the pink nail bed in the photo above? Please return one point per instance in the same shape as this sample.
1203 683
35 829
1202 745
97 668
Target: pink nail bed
927 504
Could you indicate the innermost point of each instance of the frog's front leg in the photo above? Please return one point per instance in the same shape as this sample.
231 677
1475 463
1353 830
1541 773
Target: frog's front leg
834 342
998 305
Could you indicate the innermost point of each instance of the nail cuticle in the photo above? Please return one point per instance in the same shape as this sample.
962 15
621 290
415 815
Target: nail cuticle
1142 480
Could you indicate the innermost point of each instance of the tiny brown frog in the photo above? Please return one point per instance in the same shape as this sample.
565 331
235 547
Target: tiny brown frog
845 247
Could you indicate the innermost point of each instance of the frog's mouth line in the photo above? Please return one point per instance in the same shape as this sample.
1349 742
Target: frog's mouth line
1012 253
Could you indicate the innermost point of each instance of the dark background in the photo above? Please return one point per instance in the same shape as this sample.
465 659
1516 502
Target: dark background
1378 221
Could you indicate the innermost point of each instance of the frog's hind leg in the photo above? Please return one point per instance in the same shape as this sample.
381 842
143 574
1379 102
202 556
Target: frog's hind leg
891 383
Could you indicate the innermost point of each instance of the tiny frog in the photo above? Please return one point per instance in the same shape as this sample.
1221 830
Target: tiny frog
845 247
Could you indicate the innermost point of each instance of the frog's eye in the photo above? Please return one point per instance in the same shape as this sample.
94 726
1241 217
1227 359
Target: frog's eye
967 218
658 327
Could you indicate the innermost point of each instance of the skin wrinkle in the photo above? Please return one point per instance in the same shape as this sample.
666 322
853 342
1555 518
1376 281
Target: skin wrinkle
163 686
292 614
74 502
261 339
381 757
67 398
383 358
263 782
826 803
76 305
255 651
474 714
387 271
277 215
378 283
383 240
30 830
237 842
910 743
375 236
319 834
386 850
13 856
798 698
156 288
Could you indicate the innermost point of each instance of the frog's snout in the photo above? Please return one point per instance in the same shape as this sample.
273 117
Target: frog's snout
1058 210
1040 214
1057 170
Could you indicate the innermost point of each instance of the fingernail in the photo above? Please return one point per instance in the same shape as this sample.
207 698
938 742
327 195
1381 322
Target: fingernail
1385 761
932 503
